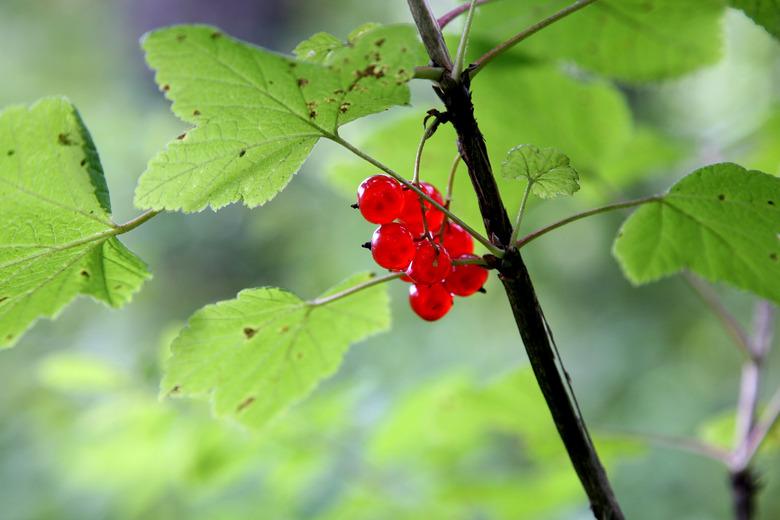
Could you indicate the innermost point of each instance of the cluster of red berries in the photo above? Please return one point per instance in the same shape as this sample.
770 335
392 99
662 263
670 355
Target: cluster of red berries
401 244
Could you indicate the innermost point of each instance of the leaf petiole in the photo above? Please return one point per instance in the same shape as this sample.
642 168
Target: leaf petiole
316 302
579 216
460 56
521 212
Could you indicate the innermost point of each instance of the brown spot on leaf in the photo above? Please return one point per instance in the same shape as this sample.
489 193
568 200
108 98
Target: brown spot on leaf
284 329
83 162
312 107
721 197
345 106
84 273
242 153
166 88
196 112
246 402
3 298
379 42
181 136
215 35
249 332
9 337
64 139
302 82
339 91
175 390
181 37
403 49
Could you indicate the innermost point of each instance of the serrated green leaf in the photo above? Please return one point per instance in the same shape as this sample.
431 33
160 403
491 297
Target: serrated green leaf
765 13
258 114
261 352
57 239
548 170
632 40
721 221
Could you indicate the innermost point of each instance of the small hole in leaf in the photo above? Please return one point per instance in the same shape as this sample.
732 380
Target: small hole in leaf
84 273
721 197
249 332
245 403
242 153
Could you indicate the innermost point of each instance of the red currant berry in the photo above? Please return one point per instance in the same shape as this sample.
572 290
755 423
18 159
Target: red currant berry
430 302
412 214
431 264
457 240
466 279
392 246
380 199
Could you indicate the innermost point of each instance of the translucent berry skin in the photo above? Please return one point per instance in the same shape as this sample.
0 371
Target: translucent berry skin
430 302
457 240
412 214
392 246
466 279
380 199
431 264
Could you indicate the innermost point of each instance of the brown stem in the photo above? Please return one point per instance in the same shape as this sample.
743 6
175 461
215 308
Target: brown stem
528 315
743 491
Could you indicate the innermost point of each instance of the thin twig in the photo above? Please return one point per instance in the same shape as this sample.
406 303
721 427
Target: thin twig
449 16
689 445
460 56
530 31
134 223
729 322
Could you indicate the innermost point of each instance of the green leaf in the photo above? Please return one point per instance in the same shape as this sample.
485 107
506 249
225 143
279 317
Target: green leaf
266 349
765 13
721 221
546 169
57 239
258 114
632 40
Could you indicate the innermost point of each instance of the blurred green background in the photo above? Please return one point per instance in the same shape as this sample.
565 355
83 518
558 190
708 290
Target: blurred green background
430 421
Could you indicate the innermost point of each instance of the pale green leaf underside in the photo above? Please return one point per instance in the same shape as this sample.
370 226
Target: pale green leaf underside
721 222
547 169
57 239
261 352
765 13
634 40
258 114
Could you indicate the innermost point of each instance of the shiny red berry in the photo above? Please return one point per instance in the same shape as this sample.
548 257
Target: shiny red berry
380 199
430 302
466 279
392 246
412 214
431 263
457 240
